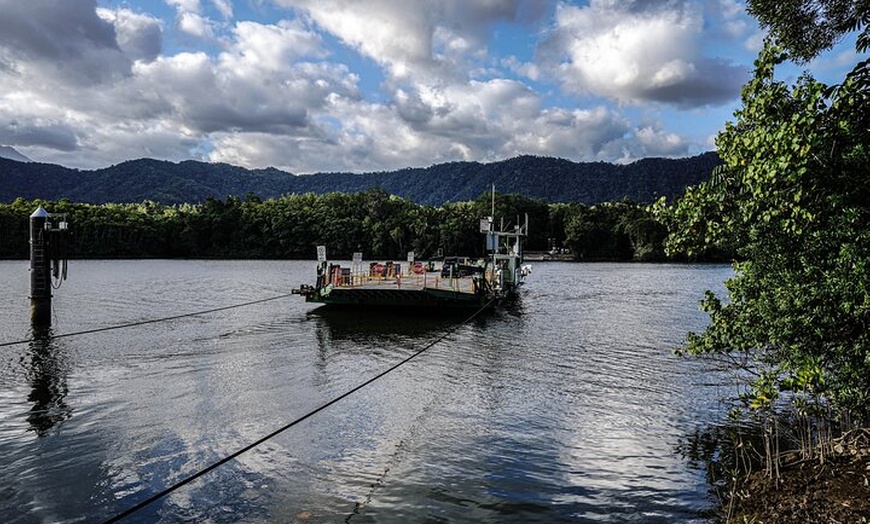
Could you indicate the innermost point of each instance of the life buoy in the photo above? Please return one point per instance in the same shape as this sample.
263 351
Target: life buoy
418 268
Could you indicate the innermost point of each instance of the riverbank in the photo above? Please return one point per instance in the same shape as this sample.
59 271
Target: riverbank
836 490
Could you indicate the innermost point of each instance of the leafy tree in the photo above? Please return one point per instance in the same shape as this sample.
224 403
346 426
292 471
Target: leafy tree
459 230
511 210
591 234
792 198
14 229
645 234
614 231
374 222
807 27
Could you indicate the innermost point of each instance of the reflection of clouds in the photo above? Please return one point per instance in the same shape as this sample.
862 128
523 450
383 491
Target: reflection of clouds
360 441
231 386
629 399
576 408
566 409
193 395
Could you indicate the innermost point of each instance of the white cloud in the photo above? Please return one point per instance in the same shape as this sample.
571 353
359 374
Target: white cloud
262 94
634 55
66 39
195 24
528 70
395 34
270 48
166 105
483 121
188 6
367 135
225 7
656 142
737 25
190 20
570 133
423 40
259 84
139 36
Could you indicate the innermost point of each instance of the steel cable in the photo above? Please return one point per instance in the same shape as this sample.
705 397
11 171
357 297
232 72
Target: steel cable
150 321
201 472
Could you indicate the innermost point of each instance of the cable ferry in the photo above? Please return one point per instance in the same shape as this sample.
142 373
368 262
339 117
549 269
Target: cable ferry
449 283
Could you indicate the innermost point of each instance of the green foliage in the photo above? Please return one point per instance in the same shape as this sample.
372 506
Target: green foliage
792 199
807 27
542 178
373 222
15 228
615 231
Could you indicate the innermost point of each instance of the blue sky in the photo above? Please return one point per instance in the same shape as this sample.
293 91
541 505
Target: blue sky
368 85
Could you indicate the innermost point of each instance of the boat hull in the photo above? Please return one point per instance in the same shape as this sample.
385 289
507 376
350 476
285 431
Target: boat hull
399 298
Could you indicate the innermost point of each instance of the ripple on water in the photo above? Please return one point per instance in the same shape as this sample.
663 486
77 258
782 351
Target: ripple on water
566 407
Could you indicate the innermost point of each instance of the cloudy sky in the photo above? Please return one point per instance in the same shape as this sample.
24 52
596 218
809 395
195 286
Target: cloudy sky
367 85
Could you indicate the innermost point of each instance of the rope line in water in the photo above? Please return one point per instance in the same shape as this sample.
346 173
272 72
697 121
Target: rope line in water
280 430
150 321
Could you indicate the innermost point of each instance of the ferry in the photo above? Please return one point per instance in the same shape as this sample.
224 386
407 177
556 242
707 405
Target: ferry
449 283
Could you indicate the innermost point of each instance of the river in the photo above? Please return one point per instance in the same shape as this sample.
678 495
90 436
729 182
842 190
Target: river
566 407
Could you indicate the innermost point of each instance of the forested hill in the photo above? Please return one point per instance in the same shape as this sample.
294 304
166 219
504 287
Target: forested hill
549 179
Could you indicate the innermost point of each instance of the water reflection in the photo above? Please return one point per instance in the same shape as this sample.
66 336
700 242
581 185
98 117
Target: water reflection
724 451
335 324
565 406
47 374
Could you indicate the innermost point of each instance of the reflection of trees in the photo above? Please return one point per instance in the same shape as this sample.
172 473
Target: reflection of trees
47 376
728 453
368 328
344 331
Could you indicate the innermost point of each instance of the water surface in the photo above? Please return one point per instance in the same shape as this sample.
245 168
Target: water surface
566 407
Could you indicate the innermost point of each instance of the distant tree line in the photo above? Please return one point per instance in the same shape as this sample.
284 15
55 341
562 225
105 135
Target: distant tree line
373 222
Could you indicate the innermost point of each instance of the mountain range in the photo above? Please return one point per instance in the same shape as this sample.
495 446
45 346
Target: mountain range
545 178
12 154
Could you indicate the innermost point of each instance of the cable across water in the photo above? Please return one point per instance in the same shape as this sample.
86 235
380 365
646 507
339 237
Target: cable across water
150 321
289 425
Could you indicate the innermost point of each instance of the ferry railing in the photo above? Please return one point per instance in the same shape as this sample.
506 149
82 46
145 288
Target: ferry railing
414 280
